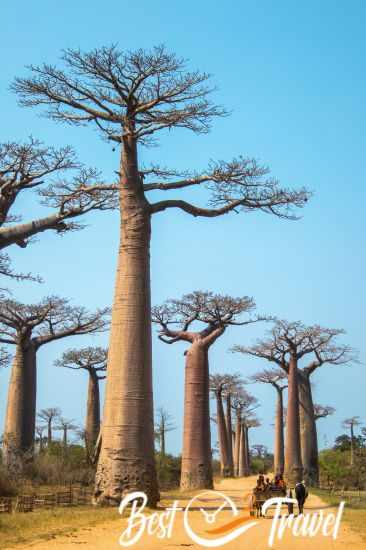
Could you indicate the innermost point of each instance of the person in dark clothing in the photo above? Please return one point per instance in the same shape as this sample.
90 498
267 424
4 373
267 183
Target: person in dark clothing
301 495
290 506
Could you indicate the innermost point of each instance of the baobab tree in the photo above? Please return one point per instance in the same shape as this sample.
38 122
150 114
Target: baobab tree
130 97
175 318
33 166
218 382
275 378
250 421
322 411
164 424
234 383
49 415
287 344
65 426
350 424
243 404
93 360
29 327
39 432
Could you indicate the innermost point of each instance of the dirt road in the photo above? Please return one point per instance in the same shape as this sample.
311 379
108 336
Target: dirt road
106 536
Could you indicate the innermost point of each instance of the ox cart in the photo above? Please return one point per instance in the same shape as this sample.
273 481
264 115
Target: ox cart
259 497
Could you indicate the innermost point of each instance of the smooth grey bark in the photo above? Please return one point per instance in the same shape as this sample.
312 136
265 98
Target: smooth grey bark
223 436
308 431
293 464
230 436
19 430
92 424
196 453
279 444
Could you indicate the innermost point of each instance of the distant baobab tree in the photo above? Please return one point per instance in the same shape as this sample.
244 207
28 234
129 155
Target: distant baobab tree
222 387
249 421
235 383
39 432
129 97
322 411
31 165
260 450
49 415
275 378
93 360
164 424
217 385
243 404
29 327
175 318
288 343
65 426
351 423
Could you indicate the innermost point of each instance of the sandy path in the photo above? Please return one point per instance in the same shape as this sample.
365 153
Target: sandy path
106 536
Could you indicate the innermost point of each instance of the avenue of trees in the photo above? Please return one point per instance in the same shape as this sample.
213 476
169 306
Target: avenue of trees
130 97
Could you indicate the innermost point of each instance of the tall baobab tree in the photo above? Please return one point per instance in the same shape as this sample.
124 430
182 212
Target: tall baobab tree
93 360
65 426
275 378
287 344
350 424
249 421
243 405
33 166
130 97
164 424
235 383
175 318
49 416
29 327
218 383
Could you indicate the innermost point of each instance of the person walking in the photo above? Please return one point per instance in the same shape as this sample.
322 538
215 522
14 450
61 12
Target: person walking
301 494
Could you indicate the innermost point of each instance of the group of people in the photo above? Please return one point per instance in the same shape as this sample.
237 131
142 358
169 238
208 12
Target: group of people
265 485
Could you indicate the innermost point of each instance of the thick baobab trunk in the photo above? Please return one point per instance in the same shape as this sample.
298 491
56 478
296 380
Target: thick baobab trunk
247 446
352 446
230 438
308 432
162 442
237 443
293 465
19 430
196 454
243 456
65 438
279 445
92 425
126 462
49 431
223 437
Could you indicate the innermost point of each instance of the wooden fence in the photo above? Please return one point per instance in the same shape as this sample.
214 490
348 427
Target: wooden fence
72 496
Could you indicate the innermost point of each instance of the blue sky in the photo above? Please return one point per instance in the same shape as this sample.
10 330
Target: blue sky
293 75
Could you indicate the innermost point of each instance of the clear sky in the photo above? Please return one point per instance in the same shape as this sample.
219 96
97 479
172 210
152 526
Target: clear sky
293 75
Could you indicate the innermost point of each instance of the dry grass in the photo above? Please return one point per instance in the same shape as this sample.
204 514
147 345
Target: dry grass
18 529
354 512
